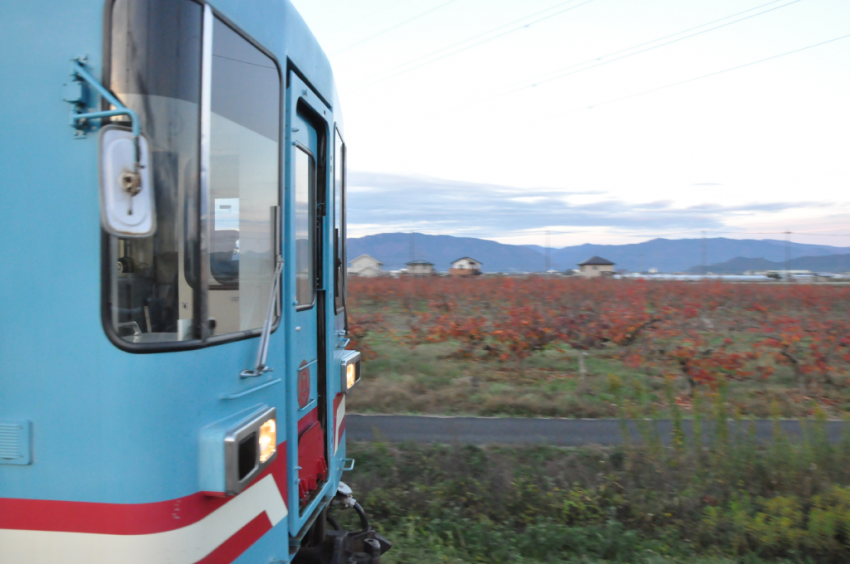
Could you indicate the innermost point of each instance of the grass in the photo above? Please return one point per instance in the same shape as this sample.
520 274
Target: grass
427 379
730 501
424 553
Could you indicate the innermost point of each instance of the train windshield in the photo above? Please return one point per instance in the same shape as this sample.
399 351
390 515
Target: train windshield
244 131
163 288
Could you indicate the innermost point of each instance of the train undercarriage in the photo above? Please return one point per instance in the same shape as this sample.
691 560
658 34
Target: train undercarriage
327 542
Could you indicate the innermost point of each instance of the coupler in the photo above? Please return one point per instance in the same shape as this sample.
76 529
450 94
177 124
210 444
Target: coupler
338 546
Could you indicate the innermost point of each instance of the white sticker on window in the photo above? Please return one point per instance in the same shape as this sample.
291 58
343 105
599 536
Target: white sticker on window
226 214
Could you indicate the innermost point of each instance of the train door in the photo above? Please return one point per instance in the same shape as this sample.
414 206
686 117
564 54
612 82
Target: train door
307 159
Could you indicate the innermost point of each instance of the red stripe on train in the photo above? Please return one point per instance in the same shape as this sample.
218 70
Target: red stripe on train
123 518
233 547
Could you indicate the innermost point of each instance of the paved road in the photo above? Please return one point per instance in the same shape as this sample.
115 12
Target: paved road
556 432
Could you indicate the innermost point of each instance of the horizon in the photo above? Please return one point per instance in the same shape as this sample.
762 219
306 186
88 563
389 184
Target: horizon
719 254
528 245
597 120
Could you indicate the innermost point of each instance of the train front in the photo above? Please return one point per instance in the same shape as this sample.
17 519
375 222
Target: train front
173 352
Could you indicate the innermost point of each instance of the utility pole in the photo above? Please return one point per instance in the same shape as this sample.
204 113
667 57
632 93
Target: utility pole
548 261
704 255
409 268
787 256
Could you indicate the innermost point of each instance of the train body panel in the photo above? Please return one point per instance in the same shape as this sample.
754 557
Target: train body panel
109 463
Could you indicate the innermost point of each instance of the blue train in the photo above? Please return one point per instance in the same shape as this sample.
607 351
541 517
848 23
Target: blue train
173 363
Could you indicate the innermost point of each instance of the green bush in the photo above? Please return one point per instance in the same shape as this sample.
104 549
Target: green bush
729 498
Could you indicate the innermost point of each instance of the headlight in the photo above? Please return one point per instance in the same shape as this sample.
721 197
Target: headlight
350 373
349 370
235 450
268 440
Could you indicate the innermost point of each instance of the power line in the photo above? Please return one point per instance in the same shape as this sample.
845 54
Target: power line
474 44
474 37
349 24
650 42
681 82
537 82
716 73
392 27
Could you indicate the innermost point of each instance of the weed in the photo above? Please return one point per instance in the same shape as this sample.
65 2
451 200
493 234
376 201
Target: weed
722 498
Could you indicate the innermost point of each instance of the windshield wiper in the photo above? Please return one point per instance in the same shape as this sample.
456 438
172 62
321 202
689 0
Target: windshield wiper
263 351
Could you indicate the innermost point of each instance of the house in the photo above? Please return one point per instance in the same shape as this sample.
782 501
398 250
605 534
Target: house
595 267
420 267
365 266
465 266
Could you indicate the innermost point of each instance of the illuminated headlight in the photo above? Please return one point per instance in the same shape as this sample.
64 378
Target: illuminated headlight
350 373
235 450
268 440
349 370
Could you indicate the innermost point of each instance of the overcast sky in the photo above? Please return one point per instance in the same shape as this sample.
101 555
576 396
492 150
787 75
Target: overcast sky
502 119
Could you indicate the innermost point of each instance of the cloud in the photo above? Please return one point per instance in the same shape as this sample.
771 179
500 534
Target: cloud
400 203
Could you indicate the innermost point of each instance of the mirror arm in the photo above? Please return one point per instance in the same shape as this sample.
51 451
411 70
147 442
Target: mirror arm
80 120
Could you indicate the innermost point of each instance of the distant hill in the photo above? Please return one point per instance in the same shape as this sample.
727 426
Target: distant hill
666 255
827 263
393 249
679 255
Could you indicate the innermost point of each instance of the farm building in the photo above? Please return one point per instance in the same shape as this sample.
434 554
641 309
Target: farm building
595 267
465 266
365 266
420 267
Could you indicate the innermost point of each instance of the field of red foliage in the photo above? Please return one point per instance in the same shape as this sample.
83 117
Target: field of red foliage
705 334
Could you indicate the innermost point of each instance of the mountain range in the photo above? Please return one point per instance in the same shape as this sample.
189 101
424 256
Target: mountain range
826 263
665 255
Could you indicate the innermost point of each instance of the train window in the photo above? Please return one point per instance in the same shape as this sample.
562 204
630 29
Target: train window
339 222
155 70
244 133
305 220
156 285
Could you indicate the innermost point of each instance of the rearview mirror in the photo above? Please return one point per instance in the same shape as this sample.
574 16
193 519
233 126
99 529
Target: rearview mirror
126 193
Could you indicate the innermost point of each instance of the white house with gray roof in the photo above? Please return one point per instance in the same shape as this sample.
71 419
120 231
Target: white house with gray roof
465 266
420 267
595 267
365 266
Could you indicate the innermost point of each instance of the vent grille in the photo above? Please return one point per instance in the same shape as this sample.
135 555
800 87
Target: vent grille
10 440
14 443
